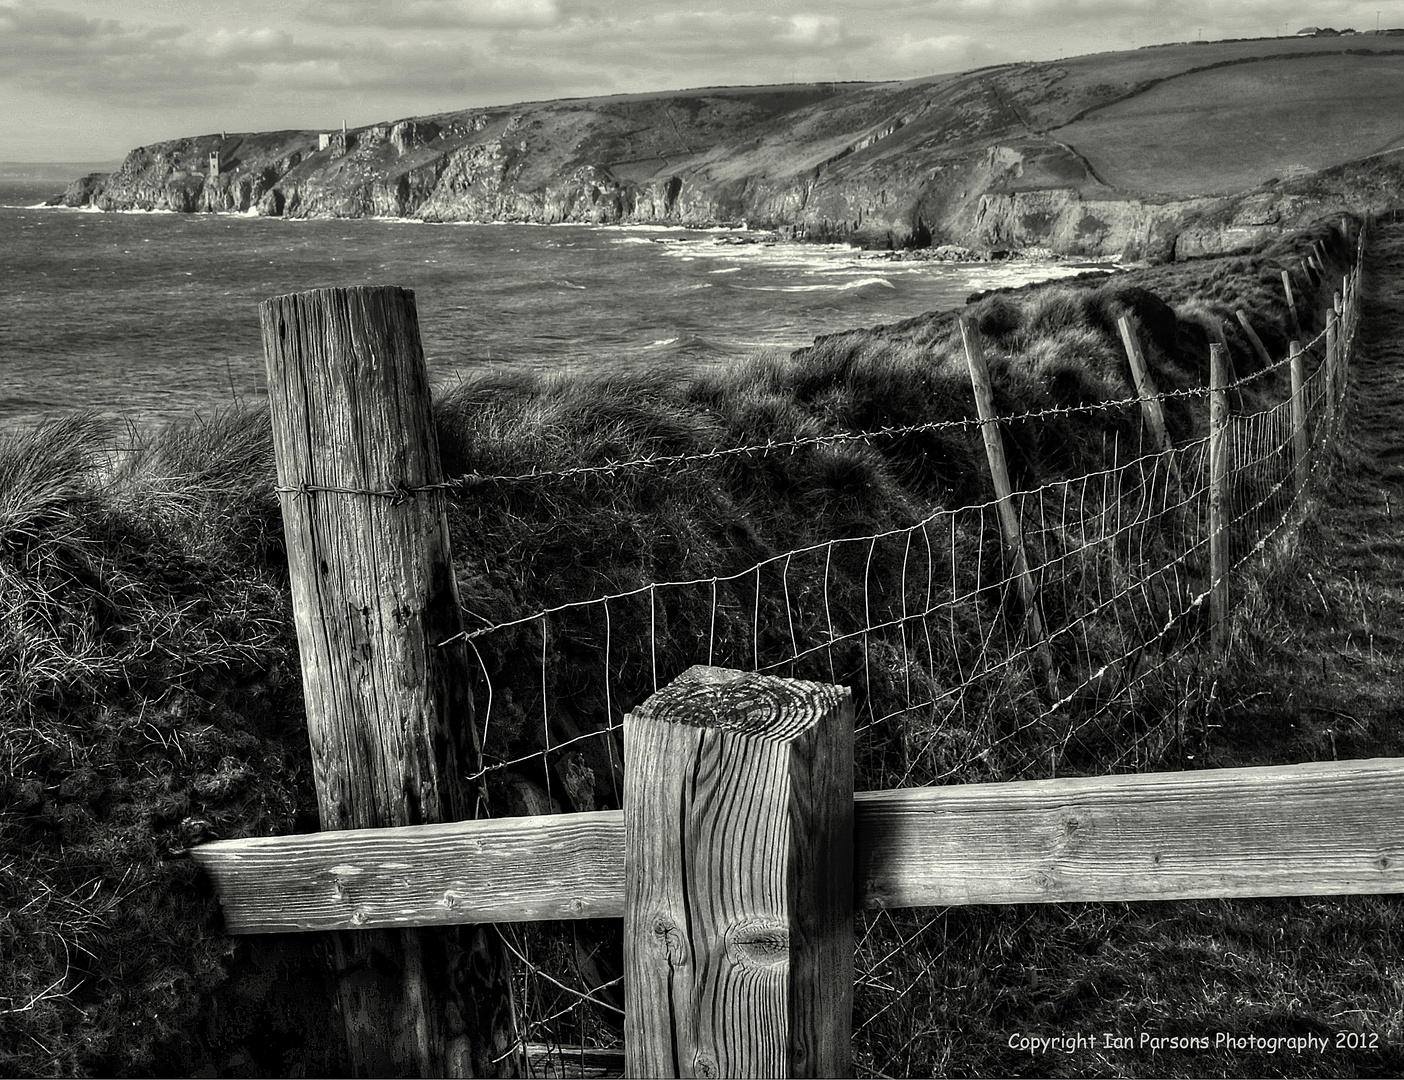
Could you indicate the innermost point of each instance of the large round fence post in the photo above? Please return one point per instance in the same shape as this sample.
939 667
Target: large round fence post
738 894
389 710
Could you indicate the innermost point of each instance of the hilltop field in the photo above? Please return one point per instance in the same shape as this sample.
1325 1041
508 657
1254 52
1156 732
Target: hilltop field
1163 152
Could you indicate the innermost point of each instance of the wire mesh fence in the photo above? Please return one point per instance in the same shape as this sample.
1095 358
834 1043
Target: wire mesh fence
960 672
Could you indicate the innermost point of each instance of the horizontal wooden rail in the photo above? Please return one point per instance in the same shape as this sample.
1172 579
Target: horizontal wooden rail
1292 830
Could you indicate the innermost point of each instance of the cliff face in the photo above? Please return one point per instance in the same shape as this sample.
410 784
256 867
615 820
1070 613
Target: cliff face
972 159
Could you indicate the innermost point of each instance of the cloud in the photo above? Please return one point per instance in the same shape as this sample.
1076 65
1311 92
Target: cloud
153 68
278 63
433 14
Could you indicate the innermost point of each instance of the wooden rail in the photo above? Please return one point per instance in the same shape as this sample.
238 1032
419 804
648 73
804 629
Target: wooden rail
1291 830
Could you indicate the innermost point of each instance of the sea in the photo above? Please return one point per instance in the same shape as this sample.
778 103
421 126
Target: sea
146 317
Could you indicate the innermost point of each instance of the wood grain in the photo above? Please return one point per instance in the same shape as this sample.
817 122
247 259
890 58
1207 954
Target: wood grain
738 896
1296 830
1290 830
388 711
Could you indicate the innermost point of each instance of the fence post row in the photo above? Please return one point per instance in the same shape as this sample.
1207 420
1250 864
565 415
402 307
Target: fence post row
738 871
373 593
739 804
1004 500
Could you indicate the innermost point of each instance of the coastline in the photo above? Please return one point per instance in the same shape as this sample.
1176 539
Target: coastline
744 235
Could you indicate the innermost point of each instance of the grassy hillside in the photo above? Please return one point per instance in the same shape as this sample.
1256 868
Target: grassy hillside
1226 129
1020 154
149 696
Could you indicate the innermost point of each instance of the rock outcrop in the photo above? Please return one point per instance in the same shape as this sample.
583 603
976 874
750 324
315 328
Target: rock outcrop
972 160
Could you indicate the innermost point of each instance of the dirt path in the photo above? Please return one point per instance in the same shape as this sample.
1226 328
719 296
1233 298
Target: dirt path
1329 678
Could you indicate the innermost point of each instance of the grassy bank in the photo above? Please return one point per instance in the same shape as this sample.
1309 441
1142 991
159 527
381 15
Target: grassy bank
150 698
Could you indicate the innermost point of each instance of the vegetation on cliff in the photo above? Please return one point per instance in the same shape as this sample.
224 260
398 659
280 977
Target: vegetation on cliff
149 696
1089 155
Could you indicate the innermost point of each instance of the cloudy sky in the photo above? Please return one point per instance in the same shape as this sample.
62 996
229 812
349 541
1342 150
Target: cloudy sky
86 80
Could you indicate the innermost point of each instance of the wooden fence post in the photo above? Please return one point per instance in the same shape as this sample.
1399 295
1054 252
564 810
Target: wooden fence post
1145 386
738 878
1218 497
1150 401
388 709
1258 347
1004 496
1332 362
1299 428
1291 303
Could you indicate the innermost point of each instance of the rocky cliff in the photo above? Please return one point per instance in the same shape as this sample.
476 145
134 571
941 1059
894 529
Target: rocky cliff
975 159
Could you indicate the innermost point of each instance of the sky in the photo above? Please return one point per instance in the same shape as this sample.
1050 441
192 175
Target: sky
87 80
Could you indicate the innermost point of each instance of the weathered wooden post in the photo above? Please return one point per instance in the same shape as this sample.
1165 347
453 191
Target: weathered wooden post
1145 385
1146 391
1004 496
388 709
1259 349
738 871
1332 363
1291 303
1218 497
1299 428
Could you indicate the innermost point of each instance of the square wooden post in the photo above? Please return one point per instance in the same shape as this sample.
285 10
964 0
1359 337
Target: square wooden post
738 872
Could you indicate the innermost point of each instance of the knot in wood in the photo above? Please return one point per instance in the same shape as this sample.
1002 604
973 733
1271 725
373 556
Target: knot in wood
758 943
670 937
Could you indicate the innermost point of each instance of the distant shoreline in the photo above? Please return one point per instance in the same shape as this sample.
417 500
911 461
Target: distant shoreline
946 254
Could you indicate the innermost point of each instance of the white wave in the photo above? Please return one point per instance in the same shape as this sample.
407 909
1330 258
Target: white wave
564 284
725 270
844 287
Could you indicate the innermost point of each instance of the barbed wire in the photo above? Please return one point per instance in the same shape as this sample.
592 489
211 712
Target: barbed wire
926 622
467 481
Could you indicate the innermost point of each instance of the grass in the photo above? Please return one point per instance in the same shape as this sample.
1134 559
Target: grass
149 696
1255 122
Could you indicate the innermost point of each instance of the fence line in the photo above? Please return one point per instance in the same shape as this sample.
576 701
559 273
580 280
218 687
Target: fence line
934 625
926 621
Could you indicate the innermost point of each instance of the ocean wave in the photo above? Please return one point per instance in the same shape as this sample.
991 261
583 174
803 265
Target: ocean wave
685 344
562 283
847 286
